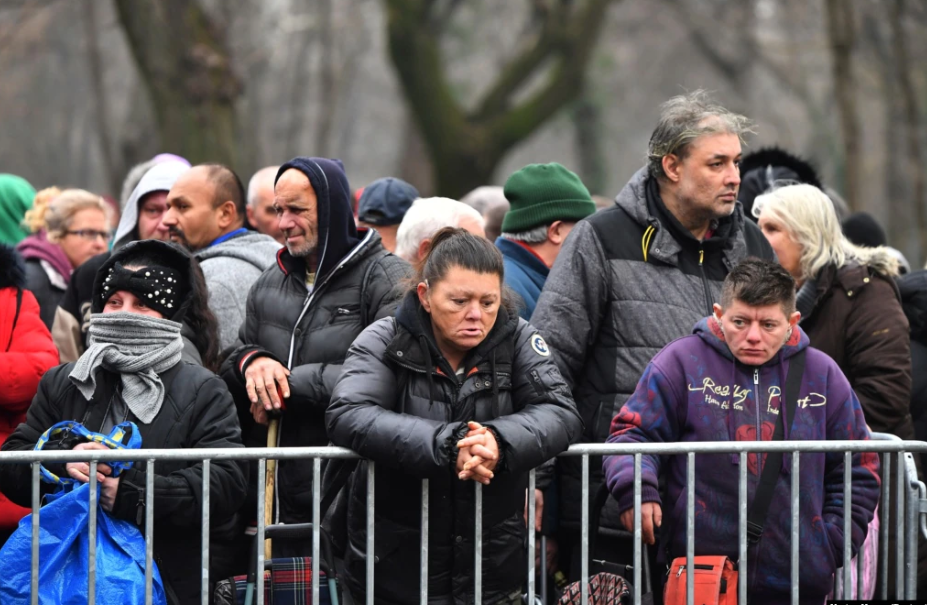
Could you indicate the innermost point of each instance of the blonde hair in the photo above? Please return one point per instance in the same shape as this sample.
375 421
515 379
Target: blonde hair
808 215
54 209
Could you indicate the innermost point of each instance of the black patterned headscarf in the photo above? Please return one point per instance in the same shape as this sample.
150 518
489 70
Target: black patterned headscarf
159 287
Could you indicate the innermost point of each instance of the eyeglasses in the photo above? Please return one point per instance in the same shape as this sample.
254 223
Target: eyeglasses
91 234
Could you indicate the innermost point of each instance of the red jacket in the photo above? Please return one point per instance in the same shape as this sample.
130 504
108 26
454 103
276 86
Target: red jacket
26 353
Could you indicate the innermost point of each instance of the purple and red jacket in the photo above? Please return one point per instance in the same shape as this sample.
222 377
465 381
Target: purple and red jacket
695 390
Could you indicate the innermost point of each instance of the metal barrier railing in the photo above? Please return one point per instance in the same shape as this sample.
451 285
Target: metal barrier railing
910 503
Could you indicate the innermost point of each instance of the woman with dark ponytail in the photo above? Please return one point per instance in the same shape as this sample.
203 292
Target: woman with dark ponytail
456 388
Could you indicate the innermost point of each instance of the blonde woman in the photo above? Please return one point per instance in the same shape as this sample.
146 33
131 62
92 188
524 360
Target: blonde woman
68 228
849 303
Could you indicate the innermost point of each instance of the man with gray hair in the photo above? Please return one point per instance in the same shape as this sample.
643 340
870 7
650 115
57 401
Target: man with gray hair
642 273
425 217
260 209
546 202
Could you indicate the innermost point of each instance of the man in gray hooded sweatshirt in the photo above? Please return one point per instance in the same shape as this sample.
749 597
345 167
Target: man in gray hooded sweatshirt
206 214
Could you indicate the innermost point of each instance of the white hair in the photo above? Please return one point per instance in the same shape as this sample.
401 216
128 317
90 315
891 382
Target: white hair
808 215
425 217
266 173
535 235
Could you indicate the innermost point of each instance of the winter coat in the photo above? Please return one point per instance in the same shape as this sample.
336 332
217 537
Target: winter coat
197 413
858 321
400 404
230 268
26 353
694 390
310 332
525 273
629 280
48 272
913 289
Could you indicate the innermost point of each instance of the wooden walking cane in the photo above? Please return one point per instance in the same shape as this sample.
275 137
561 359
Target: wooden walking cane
273 425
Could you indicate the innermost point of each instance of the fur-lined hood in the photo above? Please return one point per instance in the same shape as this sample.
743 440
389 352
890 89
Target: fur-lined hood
12 268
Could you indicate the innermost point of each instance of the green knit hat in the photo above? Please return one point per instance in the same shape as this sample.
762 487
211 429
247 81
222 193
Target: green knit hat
540 194
16 196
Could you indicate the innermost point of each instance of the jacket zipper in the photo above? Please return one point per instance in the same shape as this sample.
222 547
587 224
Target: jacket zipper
759 458
756 396
701 267
316 289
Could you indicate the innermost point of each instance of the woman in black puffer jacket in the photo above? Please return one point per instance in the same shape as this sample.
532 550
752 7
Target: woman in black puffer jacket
132 371
456 388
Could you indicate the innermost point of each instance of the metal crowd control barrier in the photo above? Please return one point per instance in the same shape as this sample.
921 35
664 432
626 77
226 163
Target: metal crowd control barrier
909 503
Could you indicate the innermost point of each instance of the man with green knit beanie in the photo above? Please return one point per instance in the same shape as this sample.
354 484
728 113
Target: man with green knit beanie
16 196
546 201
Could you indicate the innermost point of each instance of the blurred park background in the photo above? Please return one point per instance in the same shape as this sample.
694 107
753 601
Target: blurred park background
452 94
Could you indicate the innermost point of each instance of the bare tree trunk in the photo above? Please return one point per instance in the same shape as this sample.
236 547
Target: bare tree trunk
100 98
913 165
589 129
183 59
467 146
415 166
841 32
327 85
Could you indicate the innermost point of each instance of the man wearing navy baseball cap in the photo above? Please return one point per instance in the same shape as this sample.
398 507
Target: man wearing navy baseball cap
382 206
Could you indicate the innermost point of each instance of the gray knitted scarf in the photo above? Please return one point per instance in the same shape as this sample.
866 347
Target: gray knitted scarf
136 347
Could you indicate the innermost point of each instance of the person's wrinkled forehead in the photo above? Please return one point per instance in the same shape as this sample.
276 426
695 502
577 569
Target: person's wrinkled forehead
293 185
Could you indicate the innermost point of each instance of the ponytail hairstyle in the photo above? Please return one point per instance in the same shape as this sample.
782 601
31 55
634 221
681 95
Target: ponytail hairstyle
455 247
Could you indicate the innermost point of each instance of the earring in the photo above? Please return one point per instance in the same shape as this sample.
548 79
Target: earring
788 335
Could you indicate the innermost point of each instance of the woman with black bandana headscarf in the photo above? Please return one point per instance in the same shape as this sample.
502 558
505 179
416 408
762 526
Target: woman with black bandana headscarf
132 370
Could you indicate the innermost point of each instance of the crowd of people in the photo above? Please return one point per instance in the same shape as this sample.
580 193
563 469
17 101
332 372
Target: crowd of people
463 341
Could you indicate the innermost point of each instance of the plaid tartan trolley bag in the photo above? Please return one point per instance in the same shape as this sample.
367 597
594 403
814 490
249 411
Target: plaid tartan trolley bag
607 583
287 581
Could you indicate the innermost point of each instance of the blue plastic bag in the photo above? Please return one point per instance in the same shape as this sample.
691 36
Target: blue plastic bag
64 543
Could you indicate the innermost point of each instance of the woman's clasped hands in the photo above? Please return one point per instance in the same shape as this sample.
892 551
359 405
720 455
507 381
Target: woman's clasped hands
478 454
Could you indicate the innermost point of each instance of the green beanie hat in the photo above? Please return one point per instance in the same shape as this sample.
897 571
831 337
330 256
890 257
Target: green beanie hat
16 196
540 194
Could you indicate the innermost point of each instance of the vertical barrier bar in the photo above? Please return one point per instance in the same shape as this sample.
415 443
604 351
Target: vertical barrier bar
584 534
423 578
796 523
638 530
149 529
911 528
316 521
92 537
36 504
885 511
847 524
690 529
259 536
531 534
899 526
742 531
204 536
371 557
478 545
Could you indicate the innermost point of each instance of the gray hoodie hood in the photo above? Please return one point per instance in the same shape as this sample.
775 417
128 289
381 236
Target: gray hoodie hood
255 248
161 177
